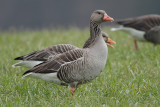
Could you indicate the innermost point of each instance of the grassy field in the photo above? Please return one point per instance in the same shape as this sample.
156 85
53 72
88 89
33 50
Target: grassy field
130 78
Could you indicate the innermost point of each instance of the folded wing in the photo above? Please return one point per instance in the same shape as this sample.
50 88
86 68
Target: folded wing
63 64
45 54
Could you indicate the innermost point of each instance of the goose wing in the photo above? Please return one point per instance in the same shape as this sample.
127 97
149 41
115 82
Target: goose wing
63 64
47 53
143 23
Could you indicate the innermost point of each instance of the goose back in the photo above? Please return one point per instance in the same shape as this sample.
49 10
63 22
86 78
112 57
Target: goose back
143 23
47 53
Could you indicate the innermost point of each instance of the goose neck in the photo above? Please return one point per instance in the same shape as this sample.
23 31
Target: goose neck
95 30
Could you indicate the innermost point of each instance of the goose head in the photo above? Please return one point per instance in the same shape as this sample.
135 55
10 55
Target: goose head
99 16
108 40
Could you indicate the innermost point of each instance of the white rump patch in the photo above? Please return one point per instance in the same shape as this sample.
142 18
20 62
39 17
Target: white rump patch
28 64
136 34
115 29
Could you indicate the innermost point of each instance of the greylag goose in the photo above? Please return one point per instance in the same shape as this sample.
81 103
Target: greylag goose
77 66
32 59
143 28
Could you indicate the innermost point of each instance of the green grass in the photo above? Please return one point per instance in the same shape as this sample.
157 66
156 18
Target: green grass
130 78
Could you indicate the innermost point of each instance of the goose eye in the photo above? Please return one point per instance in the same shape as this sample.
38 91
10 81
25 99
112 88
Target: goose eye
99 13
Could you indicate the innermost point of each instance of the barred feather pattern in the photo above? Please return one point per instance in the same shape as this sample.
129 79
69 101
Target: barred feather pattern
68 73
65 65
48 53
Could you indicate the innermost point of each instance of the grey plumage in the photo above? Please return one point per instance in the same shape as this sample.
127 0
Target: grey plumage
153 35
143 28
76 66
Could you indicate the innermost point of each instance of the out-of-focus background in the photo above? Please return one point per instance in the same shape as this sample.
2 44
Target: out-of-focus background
39 14
130 78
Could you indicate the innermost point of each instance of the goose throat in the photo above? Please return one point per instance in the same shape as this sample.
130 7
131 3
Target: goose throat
95 30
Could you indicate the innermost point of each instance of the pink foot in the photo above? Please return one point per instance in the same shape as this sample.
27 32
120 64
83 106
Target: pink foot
72 90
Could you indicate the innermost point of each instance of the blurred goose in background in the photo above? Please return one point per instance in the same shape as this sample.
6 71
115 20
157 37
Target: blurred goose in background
32 59
77 66
143 28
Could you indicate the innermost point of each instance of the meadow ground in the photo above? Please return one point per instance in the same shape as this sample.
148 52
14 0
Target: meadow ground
130 78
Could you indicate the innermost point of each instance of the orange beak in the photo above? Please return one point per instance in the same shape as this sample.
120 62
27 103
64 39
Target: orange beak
107 18
109 41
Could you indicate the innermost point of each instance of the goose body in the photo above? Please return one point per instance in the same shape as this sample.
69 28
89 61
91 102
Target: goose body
32 59
74 67
142 28
77 66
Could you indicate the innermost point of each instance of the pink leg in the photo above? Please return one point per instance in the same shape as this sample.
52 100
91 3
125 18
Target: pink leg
135 43
72 90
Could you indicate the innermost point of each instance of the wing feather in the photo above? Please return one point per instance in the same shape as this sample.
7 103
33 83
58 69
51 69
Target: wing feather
153 35
45 54
63 64
143 23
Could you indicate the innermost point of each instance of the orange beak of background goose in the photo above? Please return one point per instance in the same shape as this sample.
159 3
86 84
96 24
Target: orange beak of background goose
107 18
109 41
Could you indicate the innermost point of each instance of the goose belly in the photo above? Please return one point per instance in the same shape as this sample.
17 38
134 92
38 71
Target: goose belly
97 57
136 34
49 77
95 67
